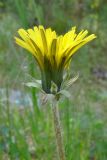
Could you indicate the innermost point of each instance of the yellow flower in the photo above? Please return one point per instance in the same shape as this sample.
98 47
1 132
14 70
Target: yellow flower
52 52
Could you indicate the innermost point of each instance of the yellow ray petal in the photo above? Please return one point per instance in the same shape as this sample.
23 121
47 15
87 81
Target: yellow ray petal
81 35
24 45
44 41
91 37
23 34
83 42
53 52
58 49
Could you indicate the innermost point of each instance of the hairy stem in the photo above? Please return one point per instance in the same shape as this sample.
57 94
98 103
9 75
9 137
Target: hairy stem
58 132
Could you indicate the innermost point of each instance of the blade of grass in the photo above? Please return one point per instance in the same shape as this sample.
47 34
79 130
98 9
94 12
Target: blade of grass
22 11
20 135
23 14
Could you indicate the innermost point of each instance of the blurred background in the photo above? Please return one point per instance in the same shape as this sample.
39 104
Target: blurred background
26 131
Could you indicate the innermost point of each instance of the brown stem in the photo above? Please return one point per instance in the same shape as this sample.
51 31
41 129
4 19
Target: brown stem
58 132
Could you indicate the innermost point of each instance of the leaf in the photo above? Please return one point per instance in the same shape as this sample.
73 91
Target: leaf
72 80
36 84
67 83
65 93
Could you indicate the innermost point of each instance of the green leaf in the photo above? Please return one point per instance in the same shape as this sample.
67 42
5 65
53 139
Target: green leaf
36 84
67 83
65 93
72 80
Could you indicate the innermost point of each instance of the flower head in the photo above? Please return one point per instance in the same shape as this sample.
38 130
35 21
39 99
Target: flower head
52 52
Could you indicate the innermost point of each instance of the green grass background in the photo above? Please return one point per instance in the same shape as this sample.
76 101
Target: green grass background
26 133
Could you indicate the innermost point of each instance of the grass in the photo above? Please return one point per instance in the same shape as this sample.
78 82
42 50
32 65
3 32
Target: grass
25 132
84 132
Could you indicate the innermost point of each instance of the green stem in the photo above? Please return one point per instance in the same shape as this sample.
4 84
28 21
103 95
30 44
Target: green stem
34 92
58 132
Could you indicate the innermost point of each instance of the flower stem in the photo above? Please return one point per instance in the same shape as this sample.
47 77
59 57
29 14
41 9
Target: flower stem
58 132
